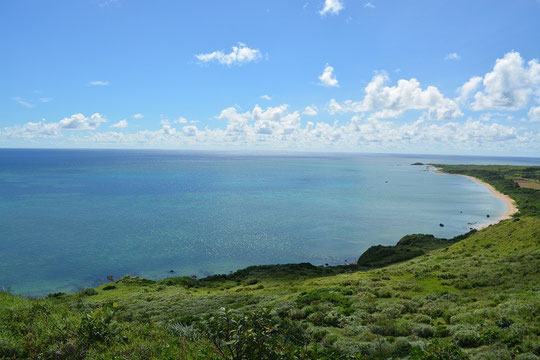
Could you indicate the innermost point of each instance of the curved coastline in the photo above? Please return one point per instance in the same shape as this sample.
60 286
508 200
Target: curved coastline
511 207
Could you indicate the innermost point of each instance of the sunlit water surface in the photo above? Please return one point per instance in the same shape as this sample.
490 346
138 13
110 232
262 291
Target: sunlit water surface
69 218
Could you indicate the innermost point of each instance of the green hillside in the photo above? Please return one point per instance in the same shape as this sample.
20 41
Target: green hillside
474 296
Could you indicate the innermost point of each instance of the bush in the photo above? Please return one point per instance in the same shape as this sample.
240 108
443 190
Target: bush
504 322
402 348
322 296
251 282
424 331
182 281
438 351
253 335
109 287
100 325
89 292
467 338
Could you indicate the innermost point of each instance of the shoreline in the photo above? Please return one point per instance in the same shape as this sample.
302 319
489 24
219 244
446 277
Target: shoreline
511 207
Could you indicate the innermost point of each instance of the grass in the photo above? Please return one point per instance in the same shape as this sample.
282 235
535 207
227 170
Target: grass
475 296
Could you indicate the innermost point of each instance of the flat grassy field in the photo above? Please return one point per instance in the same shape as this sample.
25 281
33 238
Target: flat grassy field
474 296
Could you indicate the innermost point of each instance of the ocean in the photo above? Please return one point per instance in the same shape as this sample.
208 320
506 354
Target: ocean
69 218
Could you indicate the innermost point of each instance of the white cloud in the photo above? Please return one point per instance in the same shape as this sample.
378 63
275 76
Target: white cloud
332 7
510 85
190 130
45 99
23 102
239 55
392 101
311 110
99 83
138 116
31 130
266 97
81 122
534 113
452 56
278 127
467 89
44 129
327 78
369 5
181 120
122 124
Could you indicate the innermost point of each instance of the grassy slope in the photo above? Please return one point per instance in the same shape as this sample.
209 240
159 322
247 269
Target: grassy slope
480 293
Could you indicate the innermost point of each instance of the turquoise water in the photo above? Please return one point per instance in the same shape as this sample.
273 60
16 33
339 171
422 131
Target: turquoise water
69 218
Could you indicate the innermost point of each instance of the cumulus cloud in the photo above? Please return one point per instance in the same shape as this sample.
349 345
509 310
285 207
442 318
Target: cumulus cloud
138 116
266 97
452 56
122 124
369 5
81 122
327 78
510 85
280 127
467 89
239 55
311 110
332 7
392 101
31 130
43 129
534 113
99 83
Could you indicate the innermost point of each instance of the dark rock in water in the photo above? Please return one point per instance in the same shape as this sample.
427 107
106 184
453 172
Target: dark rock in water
194 277
487 215
461 212
441 225
110 277
386 182
471 228
417 163
171 271
516 219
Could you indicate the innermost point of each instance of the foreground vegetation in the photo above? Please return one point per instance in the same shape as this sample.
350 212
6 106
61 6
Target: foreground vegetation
474 296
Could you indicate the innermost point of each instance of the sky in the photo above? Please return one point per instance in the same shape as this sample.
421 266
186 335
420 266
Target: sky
410 76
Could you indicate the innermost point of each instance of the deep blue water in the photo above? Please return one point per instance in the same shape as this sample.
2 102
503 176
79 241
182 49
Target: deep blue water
69 218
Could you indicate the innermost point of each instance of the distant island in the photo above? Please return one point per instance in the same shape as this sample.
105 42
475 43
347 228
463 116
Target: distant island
472 296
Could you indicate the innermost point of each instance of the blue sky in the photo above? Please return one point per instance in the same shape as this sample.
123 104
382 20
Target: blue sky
337 75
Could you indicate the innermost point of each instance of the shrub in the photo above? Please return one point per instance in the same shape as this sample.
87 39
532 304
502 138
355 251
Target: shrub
424 331
402 348
89 292
504 322
423 319
319 334
109 287
182 281
56 295
253 335
438 351
467 338
100 325
527 356
251 282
